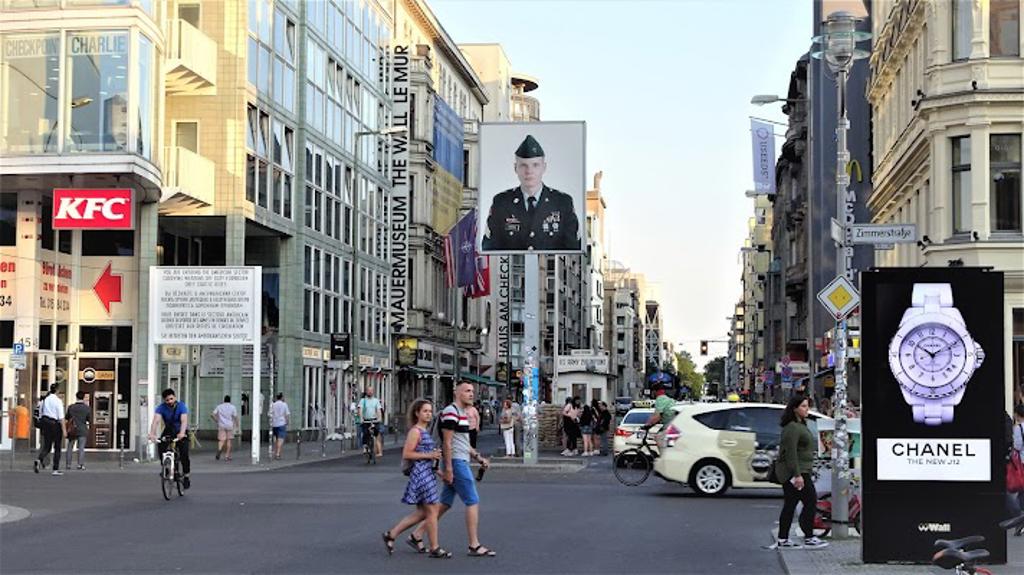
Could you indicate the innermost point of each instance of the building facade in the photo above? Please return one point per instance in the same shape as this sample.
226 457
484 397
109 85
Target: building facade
945 93
756 256
625 297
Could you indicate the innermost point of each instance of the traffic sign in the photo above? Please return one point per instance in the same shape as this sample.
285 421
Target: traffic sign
883 233
839 297
17 358
18 349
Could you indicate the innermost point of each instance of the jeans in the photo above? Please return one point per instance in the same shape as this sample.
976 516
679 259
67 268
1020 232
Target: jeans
510 444
809 497
81 450
53 437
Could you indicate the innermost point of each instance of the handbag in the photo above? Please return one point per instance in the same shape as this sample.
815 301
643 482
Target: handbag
407 467
773 473
72 429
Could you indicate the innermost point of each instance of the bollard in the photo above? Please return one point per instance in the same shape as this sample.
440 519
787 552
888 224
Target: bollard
323 442
120 454
298 444
270 445
14 436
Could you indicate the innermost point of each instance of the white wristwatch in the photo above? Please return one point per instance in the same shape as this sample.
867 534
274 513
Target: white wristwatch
932 355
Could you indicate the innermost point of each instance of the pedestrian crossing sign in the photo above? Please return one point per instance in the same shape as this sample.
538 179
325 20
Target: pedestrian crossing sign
839 297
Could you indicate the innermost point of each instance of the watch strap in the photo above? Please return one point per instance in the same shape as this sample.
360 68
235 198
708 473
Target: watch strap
932 296
933 413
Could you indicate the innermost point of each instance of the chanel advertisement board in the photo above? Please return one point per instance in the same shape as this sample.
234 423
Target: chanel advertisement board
933 411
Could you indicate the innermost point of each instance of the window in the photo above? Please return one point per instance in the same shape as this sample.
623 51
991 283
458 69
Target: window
108 243
714 419
962 29
9 218
31 74
144 140
7 334
109 338
961 184
1004 28
46 223
98 106
1005 163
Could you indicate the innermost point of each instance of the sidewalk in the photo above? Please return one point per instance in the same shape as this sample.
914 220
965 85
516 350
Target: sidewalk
843 558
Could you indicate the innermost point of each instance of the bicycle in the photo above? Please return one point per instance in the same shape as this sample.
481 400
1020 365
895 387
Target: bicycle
953 554
370 443
634 465
823 514
170 470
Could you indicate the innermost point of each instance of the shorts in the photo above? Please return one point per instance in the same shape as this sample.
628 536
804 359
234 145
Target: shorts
281 431
225 434
586 430
463 484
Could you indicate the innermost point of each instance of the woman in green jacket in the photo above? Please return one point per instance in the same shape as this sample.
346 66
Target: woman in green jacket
793 467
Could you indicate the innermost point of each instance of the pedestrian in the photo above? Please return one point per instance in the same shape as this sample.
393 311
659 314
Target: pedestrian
473 417
517 415
567 423
507 424
793 467
457 475
1015 501
51 419
421 490
604 423
226 417
279 417
79 419
174 416
371 413
587 428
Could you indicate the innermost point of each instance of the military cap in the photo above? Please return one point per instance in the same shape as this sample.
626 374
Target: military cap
530 148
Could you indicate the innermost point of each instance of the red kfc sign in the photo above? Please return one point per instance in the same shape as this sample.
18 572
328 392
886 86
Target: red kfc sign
75 209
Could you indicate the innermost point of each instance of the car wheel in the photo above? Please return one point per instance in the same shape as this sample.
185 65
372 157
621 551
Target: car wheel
709 478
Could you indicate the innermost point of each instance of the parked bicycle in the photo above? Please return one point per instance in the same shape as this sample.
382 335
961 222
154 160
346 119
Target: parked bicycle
823 516
170 469
956 555
634 465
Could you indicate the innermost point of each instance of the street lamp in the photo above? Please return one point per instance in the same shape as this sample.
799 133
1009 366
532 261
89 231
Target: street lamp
840 52
762 99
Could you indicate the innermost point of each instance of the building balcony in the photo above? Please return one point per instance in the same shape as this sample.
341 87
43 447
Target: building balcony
525 108
191 61
188 181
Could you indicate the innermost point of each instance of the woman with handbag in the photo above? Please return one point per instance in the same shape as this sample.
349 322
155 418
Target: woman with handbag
418 457
1015 467
793 469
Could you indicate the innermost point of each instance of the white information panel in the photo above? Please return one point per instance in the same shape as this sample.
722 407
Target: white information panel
207 305
934 459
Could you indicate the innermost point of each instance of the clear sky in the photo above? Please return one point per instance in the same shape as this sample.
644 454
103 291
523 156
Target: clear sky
664 88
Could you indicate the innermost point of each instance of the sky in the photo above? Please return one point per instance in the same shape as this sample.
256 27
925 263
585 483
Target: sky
665 88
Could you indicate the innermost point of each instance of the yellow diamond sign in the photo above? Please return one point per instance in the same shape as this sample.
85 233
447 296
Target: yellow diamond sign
839 297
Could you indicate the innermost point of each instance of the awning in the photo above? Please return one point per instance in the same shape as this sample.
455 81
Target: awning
420 370
481 380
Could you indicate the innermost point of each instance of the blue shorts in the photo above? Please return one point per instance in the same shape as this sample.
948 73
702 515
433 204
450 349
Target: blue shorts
281 431
464 484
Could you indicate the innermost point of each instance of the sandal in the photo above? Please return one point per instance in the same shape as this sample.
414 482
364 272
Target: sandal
416 543
440 553
480 551
389 542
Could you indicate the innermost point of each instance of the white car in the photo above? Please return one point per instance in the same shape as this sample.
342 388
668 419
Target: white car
714 446
628 432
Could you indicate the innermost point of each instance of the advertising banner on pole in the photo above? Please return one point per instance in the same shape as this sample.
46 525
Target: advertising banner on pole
933 411
399 212
532 187
762 142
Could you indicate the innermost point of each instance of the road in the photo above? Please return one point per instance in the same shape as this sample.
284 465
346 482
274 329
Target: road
327 517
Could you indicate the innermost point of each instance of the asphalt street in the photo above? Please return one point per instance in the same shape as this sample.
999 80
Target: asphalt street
327 516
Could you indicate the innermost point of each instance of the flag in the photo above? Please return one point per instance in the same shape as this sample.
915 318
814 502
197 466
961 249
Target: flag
462 240
449 262
762 140
482 286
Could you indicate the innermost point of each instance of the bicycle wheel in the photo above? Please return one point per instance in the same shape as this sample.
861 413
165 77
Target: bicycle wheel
167 480
632 467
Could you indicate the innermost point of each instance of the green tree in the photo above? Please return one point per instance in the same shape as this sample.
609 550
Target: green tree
688 375
715 370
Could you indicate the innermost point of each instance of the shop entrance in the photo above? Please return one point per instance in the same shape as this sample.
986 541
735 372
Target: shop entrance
106 382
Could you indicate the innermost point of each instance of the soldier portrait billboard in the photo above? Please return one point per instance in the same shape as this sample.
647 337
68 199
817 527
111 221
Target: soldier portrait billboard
532 188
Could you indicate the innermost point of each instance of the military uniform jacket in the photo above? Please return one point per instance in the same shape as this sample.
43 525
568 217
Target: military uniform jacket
552 226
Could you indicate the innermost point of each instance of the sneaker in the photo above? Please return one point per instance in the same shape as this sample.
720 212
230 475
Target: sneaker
814 543
787 544
57 472
81 468
186 482
565 453
35 466
217 457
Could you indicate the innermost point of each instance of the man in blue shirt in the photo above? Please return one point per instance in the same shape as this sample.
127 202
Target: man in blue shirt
174 416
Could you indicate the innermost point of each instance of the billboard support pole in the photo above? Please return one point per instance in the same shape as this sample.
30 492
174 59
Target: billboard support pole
531 363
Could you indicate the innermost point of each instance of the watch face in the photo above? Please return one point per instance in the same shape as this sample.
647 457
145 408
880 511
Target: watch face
932 355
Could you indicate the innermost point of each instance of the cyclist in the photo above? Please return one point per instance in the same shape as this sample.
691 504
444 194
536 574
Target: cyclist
370 412
174 416
663 404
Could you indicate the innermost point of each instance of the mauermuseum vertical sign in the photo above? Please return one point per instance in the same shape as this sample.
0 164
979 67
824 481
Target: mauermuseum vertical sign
401 211
933 411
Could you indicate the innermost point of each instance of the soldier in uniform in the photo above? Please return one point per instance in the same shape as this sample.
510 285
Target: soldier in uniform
531 216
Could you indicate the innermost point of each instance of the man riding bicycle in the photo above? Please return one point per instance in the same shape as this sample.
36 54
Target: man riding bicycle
663 408
371 410
174 416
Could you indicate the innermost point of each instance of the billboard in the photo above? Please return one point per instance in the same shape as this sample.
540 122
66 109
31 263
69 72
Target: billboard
400 213
933 410
532 187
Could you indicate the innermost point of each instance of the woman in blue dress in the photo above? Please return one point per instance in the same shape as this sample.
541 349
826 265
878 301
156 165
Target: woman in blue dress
421 491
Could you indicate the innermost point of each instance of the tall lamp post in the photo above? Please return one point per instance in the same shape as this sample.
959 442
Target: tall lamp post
839 50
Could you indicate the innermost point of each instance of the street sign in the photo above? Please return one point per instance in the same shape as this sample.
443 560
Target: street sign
838 233
341 347
883 233
839 297
18 356
879 247
18 349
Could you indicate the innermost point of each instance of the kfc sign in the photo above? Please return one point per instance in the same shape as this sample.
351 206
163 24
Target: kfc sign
93 209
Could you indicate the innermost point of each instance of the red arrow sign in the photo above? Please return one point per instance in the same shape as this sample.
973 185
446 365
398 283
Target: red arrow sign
108 288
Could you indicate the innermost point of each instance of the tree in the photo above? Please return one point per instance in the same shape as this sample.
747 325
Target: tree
688 376
715 370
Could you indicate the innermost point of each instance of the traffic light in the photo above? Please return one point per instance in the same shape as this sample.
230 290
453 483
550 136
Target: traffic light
703 347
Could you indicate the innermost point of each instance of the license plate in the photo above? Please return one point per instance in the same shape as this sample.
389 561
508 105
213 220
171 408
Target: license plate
638 434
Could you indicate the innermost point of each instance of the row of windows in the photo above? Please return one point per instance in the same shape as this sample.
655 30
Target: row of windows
1003 28
1005 193
270 162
